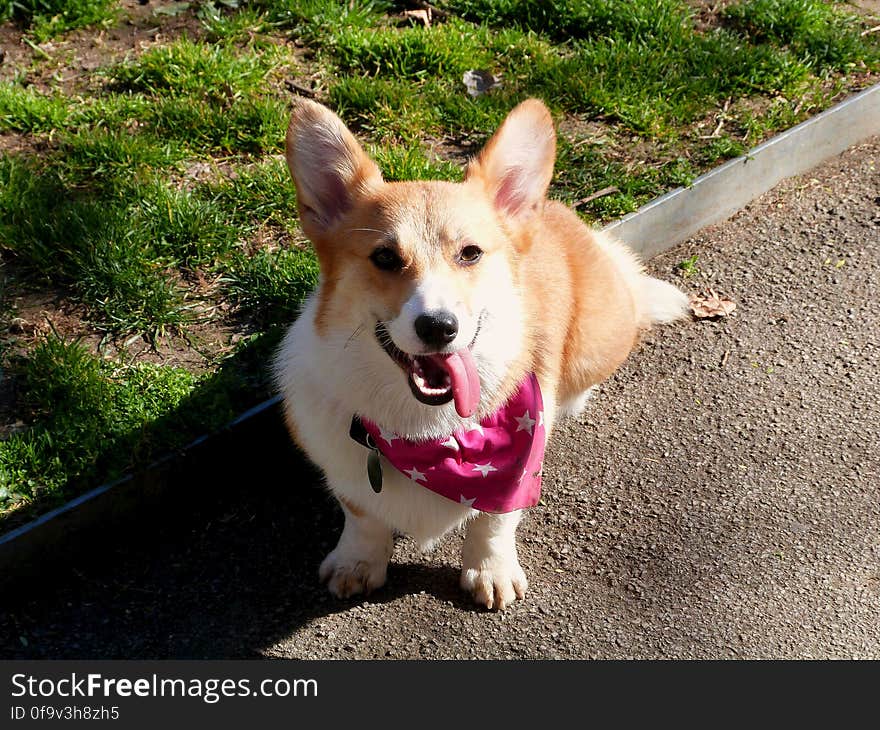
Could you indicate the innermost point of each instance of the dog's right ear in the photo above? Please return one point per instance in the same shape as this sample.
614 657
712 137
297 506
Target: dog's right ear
516 165
328 166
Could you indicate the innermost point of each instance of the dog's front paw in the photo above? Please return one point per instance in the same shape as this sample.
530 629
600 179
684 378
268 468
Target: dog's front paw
348 575
359 562
495 583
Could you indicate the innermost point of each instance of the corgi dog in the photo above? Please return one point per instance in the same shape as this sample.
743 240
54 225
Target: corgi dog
453 324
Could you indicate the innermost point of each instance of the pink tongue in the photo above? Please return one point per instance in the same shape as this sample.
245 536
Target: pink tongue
465 382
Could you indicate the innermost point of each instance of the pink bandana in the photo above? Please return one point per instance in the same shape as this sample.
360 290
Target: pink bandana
493 467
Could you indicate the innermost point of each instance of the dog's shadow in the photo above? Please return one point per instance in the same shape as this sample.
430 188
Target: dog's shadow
227 577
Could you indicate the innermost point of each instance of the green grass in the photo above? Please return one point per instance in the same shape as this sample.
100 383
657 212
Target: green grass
689 267
150 194
815 32
270 285
49 18
88 243
561 21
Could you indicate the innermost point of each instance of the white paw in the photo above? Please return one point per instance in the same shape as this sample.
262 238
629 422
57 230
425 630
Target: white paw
495 583
349 574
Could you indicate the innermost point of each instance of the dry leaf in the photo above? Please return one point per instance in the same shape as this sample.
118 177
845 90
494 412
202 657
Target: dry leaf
480 82
710 304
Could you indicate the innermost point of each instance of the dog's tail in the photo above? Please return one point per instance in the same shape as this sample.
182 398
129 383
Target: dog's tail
660 302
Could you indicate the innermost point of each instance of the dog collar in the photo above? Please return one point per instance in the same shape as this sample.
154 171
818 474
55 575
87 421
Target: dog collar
492 467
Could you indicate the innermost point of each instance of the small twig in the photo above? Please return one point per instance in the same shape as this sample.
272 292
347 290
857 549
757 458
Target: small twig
870 30
36 48
421 16
298 89
610 190
722 117
724 358
423 5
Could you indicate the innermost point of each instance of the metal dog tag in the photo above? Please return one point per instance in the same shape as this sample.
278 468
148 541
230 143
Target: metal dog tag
374 470
374 466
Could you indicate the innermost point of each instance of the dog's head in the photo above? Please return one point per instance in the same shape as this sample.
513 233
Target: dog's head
422 278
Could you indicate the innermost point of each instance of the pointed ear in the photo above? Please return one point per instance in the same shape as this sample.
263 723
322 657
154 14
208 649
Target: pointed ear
328 166
516 165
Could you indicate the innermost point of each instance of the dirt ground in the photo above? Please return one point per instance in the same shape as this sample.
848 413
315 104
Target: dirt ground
720 498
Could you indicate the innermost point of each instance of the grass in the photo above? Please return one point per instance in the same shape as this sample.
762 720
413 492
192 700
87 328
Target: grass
49 18
94 419
149 197
689 266
814 32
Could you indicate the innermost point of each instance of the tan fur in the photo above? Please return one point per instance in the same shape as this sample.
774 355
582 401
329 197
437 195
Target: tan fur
351 507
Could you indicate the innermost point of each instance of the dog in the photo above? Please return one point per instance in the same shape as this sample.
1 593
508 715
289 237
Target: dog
453 324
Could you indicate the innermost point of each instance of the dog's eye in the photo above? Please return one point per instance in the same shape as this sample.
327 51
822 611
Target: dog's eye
386 259
469 255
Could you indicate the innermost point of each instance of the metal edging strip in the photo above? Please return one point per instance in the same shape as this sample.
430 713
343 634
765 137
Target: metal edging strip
717 195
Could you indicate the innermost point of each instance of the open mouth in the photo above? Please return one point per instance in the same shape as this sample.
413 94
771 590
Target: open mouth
437 378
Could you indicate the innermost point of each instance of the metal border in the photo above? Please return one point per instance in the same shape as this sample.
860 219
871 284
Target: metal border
717 195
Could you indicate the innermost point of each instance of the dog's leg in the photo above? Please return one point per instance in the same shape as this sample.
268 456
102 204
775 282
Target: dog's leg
490 569
359 562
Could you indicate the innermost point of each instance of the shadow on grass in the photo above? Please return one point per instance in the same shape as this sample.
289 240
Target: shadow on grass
92 427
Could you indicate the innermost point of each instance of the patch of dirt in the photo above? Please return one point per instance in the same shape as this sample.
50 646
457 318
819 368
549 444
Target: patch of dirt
868 8
14 54
29 317
727 120
13 143
707 13
581 129
66 63
619 145
458 151
9 423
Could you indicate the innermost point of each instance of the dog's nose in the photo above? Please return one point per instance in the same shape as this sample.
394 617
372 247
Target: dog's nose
436 329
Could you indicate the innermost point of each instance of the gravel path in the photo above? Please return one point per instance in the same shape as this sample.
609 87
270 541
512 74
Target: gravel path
720 497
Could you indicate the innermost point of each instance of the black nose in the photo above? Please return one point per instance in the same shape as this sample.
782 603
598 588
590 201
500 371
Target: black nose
436 329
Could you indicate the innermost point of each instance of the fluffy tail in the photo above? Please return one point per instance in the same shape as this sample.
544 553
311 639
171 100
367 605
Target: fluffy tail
660 302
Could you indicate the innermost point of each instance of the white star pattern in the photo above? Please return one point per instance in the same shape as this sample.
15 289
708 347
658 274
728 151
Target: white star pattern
451 443
484 469
525 423
415 475
387 436
467 502
540 418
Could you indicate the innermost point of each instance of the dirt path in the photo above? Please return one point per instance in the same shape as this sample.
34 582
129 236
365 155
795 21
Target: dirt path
720 498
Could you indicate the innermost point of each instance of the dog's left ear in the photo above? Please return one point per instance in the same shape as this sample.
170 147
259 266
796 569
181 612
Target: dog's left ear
516 165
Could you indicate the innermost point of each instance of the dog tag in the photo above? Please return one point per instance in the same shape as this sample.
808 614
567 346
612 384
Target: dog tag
374 470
